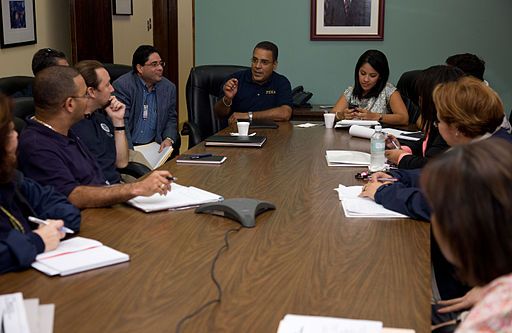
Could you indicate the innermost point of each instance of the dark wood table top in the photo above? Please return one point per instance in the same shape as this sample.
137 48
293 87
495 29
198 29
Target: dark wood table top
305 257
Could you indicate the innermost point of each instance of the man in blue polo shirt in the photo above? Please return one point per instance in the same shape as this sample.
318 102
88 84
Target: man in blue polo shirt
103 130
51 153
258 93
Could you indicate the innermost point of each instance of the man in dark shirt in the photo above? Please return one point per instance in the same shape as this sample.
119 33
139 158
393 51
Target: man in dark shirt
52 154
259 92
103 130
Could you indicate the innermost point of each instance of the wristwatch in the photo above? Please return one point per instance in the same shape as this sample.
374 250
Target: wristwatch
168 138
250 116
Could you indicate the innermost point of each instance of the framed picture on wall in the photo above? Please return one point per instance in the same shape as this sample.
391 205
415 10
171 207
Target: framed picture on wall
18 23
347 19
123 7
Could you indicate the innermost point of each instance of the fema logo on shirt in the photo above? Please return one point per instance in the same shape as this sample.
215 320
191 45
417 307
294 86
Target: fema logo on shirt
106 129
270 92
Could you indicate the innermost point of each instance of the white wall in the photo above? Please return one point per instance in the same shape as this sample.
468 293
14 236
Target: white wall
52 30
131 31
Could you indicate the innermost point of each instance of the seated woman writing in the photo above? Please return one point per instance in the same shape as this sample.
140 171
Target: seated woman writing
471 221
21 197
372 97
416 153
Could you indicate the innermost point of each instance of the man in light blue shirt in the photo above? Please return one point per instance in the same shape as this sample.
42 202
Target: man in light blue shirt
150 101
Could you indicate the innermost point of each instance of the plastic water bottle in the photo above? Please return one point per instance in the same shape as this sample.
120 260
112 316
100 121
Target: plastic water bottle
378 160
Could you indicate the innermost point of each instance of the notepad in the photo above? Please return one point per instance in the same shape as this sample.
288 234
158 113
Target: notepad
77 255
235 141
214 159
150 152
178 198
347 158
356 206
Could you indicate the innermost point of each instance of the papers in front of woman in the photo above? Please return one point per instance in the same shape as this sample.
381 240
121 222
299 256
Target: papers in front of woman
356 206
76 255
347 158
366 133
349 122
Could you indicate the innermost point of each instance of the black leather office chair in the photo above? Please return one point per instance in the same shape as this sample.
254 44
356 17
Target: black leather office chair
11 84
116 70
204 88
19 124
23 107
407 87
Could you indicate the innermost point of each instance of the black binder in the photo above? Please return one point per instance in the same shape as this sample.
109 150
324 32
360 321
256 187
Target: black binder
235 141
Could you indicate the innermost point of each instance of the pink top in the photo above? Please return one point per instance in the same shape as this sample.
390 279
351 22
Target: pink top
494 312
408 150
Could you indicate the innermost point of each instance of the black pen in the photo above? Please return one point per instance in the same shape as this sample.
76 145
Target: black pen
198 156
172 178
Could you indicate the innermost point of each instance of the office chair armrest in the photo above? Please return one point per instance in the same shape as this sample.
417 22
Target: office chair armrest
134 169
194 133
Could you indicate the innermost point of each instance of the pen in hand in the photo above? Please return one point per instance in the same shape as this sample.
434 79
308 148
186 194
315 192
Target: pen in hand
172 178
387 179
43 222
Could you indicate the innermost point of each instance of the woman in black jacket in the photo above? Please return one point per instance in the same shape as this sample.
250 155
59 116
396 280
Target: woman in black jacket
416 154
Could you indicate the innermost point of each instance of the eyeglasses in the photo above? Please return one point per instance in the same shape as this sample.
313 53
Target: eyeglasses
86 95
156 64
263 62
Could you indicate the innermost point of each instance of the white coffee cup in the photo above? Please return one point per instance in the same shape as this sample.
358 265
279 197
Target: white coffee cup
329 119
243 128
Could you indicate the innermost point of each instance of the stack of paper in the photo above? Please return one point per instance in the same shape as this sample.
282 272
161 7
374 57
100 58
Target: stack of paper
366 133
179 197
77 255
315 324
25 316
150 152
347 123
347 158
356 206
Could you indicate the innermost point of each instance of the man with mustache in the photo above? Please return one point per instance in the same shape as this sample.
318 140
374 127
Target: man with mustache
258 93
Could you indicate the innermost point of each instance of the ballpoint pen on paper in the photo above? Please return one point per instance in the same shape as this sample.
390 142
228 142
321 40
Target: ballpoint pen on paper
43 222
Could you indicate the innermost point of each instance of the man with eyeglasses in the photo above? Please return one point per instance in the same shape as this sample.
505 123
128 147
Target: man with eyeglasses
258 93
150 101
52 154
103 130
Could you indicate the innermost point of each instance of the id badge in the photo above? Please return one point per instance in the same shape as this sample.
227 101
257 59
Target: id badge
145 113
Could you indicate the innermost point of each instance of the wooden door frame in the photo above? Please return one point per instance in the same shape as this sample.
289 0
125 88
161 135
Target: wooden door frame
165 37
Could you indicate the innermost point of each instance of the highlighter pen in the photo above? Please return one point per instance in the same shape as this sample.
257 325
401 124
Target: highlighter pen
172 178
43 222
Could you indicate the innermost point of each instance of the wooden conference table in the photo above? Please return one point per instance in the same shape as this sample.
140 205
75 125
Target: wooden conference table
305 257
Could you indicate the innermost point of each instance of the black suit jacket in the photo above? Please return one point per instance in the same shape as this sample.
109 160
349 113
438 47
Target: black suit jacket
358 13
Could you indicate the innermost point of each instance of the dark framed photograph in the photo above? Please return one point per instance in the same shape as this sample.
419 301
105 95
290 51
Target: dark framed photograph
123 7
18 23
347 20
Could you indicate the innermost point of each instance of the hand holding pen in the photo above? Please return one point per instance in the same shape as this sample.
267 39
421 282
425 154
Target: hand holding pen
50 231
392 142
